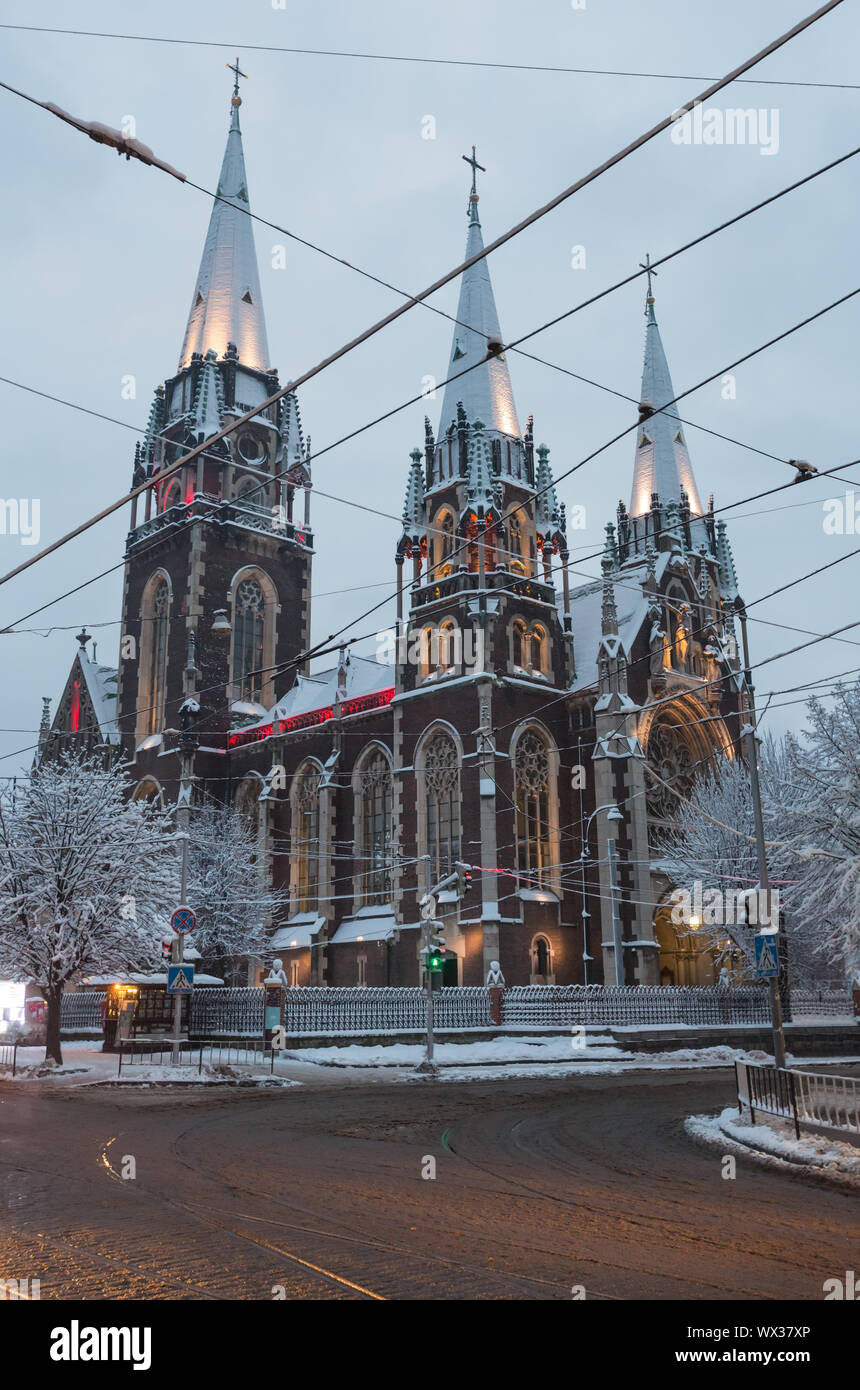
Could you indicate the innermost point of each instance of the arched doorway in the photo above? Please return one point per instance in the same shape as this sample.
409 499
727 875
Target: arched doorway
687 954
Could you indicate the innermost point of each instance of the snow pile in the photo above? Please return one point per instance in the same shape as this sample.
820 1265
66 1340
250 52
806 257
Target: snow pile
494 1052
777 1146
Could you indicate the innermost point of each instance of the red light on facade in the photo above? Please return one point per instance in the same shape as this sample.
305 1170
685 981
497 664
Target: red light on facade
313 717
75 715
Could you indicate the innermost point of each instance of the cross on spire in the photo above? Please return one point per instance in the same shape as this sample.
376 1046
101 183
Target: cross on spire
475 167
649 269
237 73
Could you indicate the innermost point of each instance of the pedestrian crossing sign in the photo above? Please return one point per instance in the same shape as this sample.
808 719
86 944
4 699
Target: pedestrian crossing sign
180 979
766 964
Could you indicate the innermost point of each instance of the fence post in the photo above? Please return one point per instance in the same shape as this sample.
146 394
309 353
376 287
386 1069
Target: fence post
200 1059
738 1087
119 1068
750 1090
14 1058
793 1095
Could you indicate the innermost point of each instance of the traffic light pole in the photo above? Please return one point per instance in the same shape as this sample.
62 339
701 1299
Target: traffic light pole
429 1065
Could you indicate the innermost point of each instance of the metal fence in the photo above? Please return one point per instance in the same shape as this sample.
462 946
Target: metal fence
82 1011
563 1006
822 1101
821 1003
214 1052
238 1012
232 1012
9 1056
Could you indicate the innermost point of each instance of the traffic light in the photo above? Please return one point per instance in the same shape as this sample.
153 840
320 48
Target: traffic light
437 950
464 879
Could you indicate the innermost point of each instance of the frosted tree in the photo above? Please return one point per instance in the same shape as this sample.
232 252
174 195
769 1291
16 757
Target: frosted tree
228 886
713 844
73 852
825 800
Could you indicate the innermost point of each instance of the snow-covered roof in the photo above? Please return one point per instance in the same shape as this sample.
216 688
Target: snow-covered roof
363 676
369 924
486 392
227 305
662 459
297 934
101 685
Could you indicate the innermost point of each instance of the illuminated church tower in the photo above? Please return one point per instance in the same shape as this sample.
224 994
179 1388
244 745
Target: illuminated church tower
216 601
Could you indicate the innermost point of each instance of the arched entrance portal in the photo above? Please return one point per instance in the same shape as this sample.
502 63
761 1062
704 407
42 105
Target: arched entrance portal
687 956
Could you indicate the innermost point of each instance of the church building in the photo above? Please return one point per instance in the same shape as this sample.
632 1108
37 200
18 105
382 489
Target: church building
521 725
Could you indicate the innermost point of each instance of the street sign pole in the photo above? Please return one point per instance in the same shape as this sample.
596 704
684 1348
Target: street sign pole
428 914
761 849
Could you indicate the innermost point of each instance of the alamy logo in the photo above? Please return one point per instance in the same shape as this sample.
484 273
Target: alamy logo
718 907
76 1343
735 126
20 517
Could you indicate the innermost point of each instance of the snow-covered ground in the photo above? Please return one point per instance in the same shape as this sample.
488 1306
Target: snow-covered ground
501 1058
775 1145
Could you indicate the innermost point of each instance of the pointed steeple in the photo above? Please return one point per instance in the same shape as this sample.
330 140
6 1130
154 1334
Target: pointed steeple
413 506
226 306
662 461
486 392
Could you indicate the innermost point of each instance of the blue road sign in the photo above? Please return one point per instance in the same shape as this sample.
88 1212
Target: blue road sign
766 961
183 920
180 978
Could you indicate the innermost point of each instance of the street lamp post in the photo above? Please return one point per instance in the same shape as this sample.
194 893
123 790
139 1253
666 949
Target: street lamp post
613 814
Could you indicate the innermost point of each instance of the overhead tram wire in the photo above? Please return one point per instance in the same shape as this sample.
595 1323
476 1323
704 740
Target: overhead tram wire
480 255
451 318
419 58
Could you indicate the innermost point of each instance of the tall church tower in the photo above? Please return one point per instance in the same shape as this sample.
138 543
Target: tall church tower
670 688
481 521
216 602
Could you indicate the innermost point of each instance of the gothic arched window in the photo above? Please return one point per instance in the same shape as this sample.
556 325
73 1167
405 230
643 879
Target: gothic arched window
442 804
375 828
157 610
532 785
538 647
519 642
249 620
306 838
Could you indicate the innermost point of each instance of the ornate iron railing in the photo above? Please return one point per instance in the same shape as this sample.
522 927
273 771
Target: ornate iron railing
545 1006
82 1011
821 1003
238 1012
233 1012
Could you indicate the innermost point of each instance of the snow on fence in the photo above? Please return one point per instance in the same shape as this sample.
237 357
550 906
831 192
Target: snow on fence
804 1097
821 1003
232 1012
238 1012
387 1010
82 1011
563 1006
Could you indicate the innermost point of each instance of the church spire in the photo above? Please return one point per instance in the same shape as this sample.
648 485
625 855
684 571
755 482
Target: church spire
226 306
486 392
662 461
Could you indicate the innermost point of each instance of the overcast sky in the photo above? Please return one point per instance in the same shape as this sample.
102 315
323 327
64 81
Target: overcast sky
100 255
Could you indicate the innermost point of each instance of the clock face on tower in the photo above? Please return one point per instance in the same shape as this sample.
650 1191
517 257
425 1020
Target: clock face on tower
250 448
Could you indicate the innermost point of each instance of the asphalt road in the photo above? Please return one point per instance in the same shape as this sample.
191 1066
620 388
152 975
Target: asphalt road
541 1185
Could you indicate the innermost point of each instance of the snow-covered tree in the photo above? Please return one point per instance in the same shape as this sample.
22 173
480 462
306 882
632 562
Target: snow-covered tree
713 844
73 852
824 794
228 886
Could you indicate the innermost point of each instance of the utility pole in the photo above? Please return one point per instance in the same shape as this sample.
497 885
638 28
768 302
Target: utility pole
187 749
617 946
761 850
